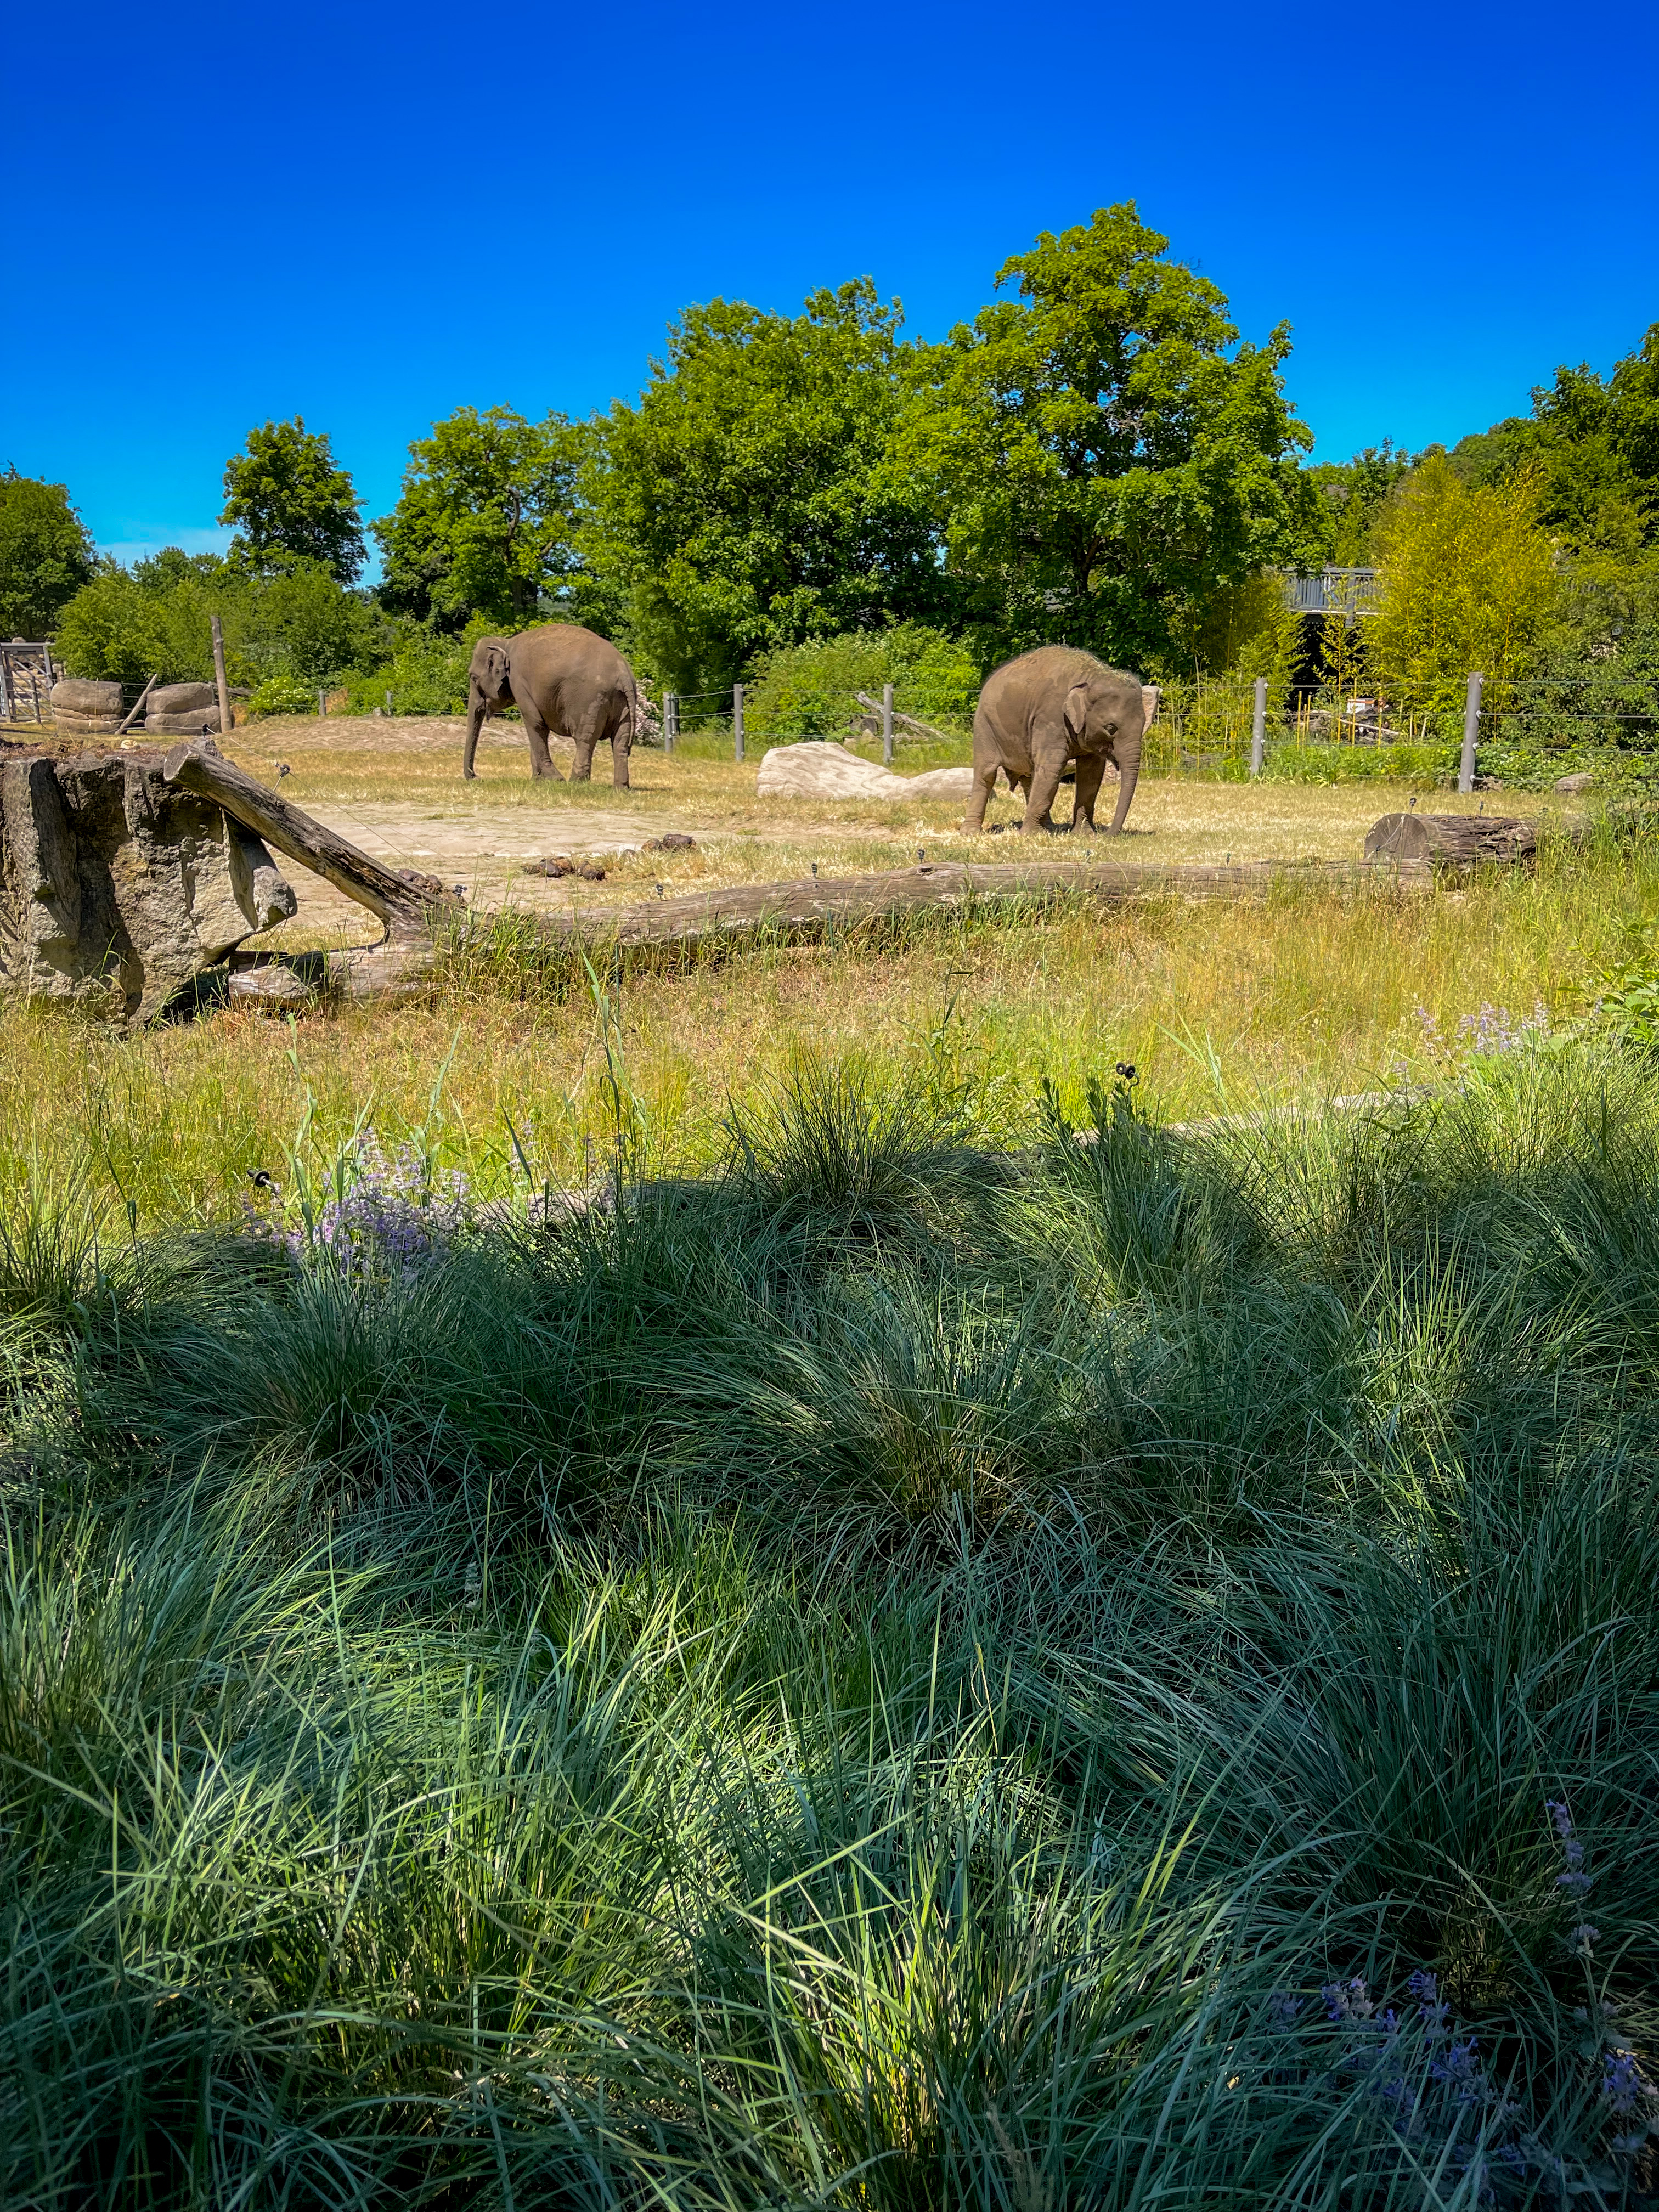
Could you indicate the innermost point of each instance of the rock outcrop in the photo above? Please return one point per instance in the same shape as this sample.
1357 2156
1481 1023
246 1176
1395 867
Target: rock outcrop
821 768
118 888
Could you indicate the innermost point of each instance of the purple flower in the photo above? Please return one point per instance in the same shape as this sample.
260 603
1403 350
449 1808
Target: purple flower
1424 1984
1623 2086
1583 1938
1347 2001
1559 1814
1461 2070
1282 2010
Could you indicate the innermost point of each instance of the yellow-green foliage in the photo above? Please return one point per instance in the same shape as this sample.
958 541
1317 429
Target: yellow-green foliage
1467 576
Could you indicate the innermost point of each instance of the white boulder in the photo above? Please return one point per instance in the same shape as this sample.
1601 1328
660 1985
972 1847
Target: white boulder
819 768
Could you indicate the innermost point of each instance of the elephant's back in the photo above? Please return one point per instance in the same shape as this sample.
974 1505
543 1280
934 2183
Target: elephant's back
568 667
1010 695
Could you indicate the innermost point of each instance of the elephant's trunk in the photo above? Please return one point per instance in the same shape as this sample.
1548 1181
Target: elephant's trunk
475 715
1129 774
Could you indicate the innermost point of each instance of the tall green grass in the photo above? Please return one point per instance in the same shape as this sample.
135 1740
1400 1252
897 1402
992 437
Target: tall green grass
885 1675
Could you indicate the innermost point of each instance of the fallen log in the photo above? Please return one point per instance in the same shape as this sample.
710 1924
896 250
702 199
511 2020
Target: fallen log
1451 840
408 909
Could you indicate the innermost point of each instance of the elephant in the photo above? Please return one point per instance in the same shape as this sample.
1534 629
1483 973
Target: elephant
1056 705
562 679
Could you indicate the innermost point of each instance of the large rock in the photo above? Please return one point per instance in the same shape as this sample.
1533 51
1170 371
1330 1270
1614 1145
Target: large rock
190 722
181 698
118 888
821 768
93 701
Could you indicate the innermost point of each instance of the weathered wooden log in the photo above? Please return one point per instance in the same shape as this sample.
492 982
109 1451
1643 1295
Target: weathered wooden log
816 902
408 910
1451 840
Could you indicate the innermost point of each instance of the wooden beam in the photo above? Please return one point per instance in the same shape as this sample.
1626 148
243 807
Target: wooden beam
137 707
406 908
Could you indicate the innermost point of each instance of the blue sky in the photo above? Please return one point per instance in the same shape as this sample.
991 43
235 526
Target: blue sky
370 215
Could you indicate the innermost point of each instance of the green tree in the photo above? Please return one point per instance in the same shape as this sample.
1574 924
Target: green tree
486 522
1591 445
748 501
45 555
1467 580
1106 456
1350 495
155 618
288 501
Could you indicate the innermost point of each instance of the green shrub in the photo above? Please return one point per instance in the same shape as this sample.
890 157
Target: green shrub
1286 762
282 694
805 690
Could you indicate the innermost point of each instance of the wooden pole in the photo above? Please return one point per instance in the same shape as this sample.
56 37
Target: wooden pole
137 707
737 718
322 706
887 726
218 674
1471 734
1258 726
670 714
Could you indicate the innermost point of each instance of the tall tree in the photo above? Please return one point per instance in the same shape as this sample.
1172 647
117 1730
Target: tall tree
1591 445
1467 580
1106 455
749 500
486 520
45 555
288 501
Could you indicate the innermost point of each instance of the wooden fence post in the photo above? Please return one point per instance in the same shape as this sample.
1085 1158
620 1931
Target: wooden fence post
322 706
887 726
670 717
1258 726
219 675
1471 734
737 718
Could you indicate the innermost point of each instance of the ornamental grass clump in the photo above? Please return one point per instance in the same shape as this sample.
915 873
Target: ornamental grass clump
1125 1671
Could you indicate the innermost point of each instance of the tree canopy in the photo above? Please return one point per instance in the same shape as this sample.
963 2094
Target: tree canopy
288 501
486 520
1105 455
1592 444
45 555
748 501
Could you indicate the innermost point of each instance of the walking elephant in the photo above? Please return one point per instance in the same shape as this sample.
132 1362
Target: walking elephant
564 680
1048 708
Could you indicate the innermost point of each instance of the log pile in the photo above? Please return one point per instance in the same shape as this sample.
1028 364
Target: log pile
117 888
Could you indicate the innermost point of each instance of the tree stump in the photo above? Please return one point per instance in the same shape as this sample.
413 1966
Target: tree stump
1451 840
115 887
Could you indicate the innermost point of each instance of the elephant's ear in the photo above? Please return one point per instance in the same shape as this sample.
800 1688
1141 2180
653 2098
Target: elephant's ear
1077 709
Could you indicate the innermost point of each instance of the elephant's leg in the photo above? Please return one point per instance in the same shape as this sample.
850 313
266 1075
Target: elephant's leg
985 764
1091 769
622 744
541 761
590 728
1044 783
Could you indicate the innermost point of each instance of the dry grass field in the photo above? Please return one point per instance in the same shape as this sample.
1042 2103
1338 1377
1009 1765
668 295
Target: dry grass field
1313 992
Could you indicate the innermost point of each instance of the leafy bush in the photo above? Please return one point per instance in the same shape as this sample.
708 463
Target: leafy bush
804 690
297 620
1286 762
282 694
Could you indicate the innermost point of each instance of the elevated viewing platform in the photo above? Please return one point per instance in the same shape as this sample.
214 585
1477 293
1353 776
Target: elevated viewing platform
1351 591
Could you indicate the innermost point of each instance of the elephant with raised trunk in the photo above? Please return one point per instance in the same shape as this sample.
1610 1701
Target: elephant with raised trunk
564 680
1049 708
